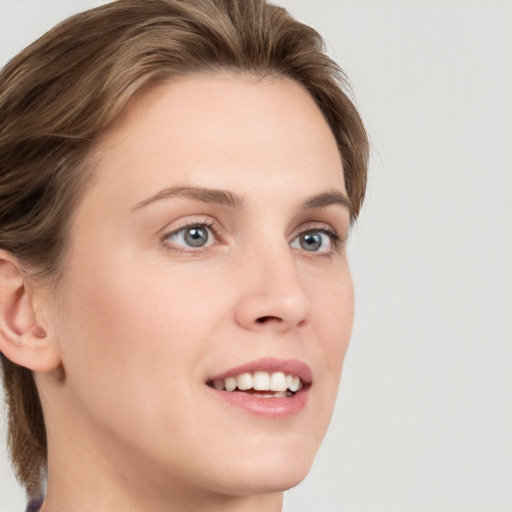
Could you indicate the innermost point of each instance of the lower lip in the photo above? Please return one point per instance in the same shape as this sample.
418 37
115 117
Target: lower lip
272 408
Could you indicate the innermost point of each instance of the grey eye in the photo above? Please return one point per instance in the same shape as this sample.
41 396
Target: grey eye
196 236
310 241
313 241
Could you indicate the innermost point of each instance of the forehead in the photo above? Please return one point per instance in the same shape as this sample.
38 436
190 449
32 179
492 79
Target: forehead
223 131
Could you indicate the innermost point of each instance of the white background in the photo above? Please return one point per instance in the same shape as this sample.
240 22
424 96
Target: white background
424 417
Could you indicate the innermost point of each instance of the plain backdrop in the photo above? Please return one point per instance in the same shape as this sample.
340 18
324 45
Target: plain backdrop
424 416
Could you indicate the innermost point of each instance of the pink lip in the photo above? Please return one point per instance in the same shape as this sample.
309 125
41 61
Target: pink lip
271 408
271 364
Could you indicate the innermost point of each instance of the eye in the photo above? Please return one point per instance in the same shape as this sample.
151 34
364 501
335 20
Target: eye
193 236
315 240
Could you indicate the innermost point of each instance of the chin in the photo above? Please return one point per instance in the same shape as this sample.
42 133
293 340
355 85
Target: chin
268 471
263 484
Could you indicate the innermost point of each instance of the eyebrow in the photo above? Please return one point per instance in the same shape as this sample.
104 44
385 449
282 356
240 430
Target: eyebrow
204 195
231 200
327 199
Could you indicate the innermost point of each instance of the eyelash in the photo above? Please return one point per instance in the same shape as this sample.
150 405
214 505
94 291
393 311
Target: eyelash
199 223
336 240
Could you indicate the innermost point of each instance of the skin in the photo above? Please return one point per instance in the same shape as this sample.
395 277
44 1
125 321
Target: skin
141 320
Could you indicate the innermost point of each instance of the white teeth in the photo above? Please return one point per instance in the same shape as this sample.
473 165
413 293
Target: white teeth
244 381
295 384
271 394
230 383
276 383
261 381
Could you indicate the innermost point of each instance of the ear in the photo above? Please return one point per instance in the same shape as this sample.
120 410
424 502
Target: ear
24 339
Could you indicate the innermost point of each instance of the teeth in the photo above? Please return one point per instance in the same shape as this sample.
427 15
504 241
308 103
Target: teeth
230 383
275 384
218 384
244 381
272 394
278 381
295 384
261 381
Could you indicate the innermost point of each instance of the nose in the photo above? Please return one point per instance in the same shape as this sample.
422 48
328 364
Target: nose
272 295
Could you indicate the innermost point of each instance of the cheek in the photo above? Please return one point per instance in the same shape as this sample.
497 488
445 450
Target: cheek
334 318
136 323
333 325
131 344
342 319
120 322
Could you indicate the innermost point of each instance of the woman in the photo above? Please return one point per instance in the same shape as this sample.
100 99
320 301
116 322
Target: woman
177 182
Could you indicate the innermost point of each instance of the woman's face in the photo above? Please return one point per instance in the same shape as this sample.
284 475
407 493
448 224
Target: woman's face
209 245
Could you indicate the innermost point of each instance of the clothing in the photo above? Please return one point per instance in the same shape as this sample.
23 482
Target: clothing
35 505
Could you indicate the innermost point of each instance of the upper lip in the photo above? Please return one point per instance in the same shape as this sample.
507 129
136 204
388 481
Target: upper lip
270 365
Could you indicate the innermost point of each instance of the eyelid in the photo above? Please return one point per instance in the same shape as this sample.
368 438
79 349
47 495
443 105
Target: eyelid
324 227
190 222
337 239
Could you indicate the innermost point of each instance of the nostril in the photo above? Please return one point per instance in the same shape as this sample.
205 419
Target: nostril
265 319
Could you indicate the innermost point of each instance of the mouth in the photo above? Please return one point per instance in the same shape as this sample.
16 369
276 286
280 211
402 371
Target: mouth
260 384
268 387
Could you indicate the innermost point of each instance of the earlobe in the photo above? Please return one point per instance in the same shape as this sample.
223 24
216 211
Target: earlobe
23 340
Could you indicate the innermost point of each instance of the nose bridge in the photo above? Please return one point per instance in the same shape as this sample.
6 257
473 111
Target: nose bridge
272 293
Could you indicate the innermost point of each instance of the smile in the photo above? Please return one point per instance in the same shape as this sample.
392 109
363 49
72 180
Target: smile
261 384
268 387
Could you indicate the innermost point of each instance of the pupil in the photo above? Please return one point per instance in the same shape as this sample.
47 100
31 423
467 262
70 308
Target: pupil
311 241
196 237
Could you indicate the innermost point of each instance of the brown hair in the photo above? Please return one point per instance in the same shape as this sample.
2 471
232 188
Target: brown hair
58 94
